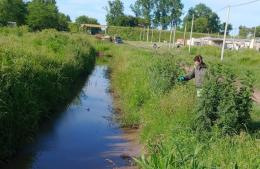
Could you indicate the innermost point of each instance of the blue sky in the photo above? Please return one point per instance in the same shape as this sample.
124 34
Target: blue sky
245 15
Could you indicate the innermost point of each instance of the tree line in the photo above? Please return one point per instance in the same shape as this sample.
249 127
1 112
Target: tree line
165 14
38 15
249 32
44 14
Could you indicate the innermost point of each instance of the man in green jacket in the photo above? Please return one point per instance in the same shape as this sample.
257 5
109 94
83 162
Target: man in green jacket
199 73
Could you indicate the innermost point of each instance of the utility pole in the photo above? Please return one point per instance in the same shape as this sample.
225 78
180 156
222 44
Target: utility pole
233 38
143 34
170 41
191 32
225 35
184 36
152 36
254 37
160 34
255 32
174 35
140 34
147 39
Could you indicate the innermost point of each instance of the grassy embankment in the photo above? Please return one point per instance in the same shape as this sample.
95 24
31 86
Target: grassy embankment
135 34
150 97
39 74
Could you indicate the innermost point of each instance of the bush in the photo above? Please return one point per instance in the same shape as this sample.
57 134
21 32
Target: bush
163 73
225 102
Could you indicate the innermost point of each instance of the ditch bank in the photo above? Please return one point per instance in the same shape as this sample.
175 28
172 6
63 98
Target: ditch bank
40 73
84 135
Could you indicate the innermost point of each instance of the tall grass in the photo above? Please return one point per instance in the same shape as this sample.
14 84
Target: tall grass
38 72
149 96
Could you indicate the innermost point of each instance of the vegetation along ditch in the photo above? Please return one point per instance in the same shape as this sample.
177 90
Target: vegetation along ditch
179 130
39 72
218 130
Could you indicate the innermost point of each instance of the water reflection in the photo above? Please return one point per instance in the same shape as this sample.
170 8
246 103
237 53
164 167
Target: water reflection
82 137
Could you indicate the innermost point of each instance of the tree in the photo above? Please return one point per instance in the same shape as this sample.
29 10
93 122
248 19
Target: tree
115 11
12 10
200 24
63 24
144 9
204 15
257 31
130 21
42 14
88 20
244 31
222 28
166 12
247 32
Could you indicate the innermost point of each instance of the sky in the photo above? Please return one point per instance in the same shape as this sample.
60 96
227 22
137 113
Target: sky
247 15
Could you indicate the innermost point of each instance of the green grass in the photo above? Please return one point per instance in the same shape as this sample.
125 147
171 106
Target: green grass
148 96
39 74
239 61
137 34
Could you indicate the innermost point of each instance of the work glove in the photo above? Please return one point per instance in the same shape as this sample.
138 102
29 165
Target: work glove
181 78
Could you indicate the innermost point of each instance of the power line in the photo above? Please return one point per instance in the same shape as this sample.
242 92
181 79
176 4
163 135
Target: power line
245 3
237 5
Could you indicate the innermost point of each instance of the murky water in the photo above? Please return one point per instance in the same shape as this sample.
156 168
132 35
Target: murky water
82 137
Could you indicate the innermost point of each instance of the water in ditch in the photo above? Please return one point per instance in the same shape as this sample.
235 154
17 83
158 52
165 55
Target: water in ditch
83 136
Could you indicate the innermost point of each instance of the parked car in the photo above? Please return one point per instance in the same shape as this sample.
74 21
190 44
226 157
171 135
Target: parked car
118 40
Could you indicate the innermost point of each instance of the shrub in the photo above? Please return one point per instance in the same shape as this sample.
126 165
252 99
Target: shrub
225 102
163 73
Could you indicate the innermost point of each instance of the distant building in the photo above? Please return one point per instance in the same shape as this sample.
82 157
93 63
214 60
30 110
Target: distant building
231 43
11 24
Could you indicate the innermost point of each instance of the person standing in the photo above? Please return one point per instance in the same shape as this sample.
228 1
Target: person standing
199 73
